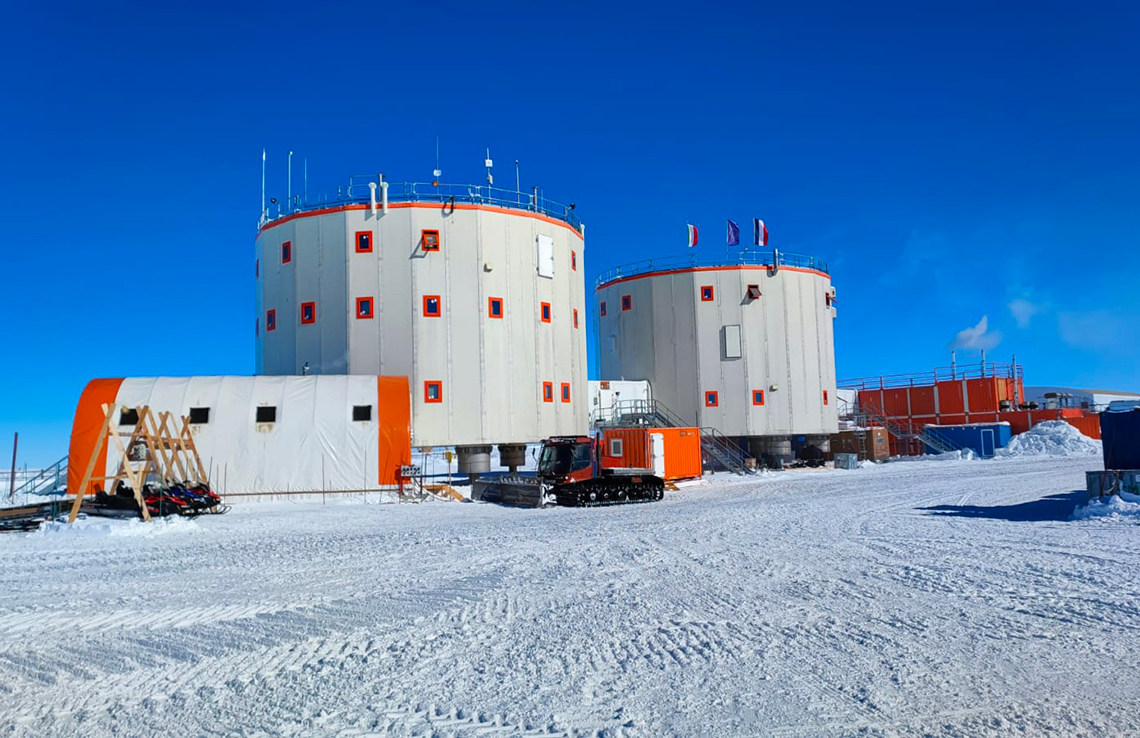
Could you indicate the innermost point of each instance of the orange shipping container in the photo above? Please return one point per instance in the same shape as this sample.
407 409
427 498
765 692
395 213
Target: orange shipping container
631 448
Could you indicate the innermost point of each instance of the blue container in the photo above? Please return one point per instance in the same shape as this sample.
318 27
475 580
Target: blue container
1120 433
984 439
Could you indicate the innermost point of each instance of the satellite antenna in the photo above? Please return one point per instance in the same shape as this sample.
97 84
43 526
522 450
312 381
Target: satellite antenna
436 173
489 163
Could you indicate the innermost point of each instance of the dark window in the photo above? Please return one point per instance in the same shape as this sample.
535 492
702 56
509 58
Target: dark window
271 320
574 260
433 391
266 414
825 397
626 302
495 307
362 412
548 392
308 312
364 242
565 392
575 317
199 415
431 306
546 312
128 416
363 307
430 240
753 292
711 399
757 397
603 308
707 293
286 252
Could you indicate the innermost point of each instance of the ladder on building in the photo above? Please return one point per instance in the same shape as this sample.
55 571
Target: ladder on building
718 450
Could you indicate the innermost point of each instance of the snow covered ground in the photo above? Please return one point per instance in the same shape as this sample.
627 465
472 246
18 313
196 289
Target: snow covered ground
945 597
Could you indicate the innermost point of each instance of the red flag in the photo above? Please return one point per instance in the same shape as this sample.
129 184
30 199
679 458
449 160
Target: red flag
692 235
760 231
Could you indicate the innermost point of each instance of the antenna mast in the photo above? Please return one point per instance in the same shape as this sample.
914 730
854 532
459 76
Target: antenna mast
289 185
490 179
263 183
436 173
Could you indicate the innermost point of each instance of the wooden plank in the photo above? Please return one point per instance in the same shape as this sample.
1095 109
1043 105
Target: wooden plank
108 411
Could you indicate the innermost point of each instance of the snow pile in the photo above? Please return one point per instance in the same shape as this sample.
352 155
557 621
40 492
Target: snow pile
1052 438
1123 506
110 527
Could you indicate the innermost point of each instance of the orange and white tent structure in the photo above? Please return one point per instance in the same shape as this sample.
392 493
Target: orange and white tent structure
264 434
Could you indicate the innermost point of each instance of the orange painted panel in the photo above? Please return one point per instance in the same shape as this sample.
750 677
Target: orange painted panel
394 426
1019 421
85 429
952 419
950 398
922 400
682 450
1089 425
894 403
982 395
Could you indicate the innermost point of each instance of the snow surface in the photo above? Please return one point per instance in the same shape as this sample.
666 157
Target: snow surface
945 597
1052 438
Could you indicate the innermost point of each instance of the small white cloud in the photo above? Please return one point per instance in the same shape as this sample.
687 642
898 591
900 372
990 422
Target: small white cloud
979 338
1023 311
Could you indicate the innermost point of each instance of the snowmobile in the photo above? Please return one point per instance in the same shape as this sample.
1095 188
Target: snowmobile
570 474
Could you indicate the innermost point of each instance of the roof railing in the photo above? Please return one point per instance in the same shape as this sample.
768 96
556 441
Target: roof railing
358 191
750 257
938 374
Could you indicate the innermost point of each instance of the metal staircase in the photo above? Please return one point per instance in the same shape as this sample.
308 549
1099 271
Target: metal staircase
869 414
47 481
718 451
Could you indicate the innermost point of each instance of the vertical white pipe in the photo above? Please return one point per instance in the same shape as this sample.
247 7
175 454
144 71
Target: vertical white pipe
384 196
263 183
372 196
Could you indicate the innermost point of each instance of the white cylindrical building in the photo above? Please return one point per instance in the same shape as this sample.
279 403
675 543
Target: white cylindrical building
475 294
744 346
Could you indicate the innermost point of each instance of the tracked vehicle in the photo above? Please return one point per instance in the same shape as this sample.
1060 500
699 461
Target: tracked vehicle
570 473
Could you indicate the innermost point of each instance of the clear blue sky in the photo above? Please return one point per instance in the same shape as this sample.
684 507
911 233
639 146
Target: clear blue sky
949 159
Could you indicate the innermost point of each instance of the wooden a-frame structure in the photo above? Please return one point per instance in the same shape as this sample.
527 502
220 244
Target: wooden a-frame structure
165 445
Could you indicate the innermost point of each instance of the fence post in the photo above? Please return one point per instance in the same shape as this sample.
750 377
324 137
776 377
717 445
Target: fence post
12 474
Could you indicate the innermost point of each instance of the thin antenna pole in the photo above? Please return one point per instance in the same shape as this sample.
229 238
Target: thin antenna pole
263 182
306 191
518 185
289 185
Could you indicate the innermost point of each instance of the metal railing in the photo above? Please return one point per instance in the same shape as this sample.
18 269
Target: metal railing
868 414
46 481
722 450
357 191
938 374
748 257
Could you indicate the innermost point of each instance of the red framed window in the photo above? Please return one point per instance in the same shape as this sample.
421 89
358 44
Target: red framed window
495 308
707 293
545 312
626 302
364 242
602 309
433 392
308 313
575 317
433 306
825 397
574 260
364 308
429 238
257 267
270 320
566 392
548 391
753 292
712 399
757 397
286 252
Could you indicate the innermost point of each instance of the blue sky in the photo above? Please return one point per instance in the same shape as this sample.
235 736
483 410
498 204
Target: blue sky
952 161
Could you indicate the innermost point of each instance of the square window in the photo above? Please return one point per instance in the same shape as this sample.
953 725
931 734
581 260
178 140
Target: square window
574 260
270 320
364 308
575 317
199 415
364 242
432 306
712 399
548 391
546 312
286 252
707 293
266 414
602 310
429 239
308 313
566 392
753 292
495 307
361 413
433 392
626 302
128 416
757 397
616 447
825 397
